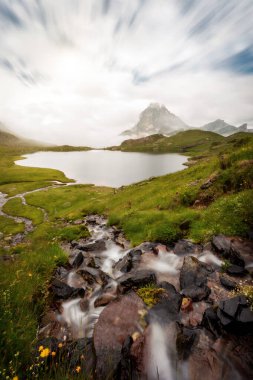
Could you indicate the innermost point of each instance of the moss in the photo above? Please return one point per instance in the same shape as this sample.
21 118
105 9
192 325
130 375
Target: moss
150 294
247 291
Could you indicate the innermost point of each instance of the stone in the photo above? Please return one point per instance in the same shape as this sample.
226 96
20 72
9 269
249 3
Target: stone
235 270
81 353
104 299
92 276
136 279
97 246
211 321
78 260
186 247
223 245
63 291
124 369
227 283
129 261
185 340
186 304
197 293
116 323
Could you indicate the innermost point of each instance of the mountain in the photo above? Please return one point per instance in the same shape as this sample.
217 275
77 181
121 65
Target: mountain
9 139
222 128
156 119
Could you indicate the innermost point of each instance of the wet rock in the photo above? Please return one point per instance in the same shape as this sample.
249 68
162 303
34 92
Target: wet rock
160 249
185 340
93 275
78 260
147 247
81 353
224 246
186 247
117 321
91 262
61 273
186 304
197 293
124 370
63 291
104 299
211 322
74 243
137 357
136 279
130 260
235 270
235 315
168 306
193 278
97 246
227 283
50 342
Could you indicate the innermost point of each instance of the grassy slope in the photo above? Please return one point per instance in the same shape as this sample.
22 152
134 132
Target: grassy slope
16 208
150 210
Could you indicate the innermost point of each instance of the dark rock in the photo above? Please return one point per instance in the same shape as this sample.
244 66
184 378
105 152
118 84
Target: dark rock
124 370
78 260
61 273
186 247
104 299
185 340
51 343
136 279
93 275
129 261
118 320
185 225
235 270
81 353
74 243
224 246
97 246
63 291
168 306
235 315
146 247
193 275
211 322
227 283
91 262
197 293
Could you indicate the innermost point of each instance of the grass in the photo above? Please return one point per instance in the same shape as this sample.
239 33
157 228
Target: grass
150 294
9 226
15 207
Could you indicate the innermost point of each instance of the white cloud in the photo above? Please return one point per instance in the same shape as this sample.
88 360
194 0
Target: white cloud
81 71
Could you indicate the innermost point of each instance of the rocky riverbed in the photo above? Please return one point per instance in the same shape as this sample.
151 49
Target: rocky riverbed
199 324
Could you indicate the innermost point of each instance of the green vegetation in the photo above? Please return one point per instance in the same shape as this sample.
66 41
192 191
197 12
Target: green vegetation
247 291
150 294
15 207
213 195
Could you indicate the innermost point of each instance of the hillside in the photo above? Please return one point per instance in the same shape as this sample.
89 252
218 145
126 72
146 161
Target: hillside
9 139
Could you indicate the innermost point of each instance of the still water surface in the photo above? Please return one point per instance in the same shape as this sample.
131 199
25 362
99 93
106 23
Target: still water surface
106 168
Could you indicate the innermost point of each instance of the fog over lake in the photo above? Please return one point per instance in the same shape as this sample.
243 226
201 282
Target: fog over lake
106 168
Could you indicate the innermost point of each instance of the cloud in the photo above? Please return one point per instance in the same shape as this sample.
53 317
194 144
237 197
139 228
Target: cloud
80 72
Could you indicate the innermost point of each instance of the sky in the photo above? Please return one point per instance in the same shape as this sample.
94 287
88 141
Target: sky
81 71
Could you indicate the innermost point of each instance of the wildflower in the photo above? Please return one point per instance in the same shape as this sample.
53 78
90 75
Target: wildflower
60 345
15 378
78 369
30 274
53 353
45 353
41 348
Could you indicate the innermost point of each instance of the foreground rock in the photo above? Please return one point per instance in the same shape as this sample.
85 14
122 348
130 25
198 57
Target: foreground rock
136 279
63 291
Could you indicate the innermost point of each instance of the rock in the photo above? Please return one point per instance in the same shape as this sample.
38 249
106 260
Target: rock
130 260
136 279
61 273
51 343
63 291
168 306
185 340
197 293
78 260
81 353
185 225
124 369
146 247
185 247
78 222
227 283
223 245
117 321
208 183
235 270
235 315
74 243
193 278
97 246
104 299
92 276
211 322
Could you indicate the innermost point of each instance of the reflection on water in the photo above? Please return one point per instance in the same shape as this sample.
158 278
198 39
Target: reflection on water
106 168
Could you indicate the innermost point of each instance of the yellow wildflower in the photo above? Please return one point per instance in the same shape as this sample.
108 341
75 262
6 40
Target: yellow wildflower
60 345
53 353
78 369
15 378
45 353
30 274
41 348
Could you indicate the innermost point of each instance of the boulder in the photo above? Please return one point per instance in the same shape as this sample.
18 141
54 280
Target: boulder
130 261
104 299
81 353
136 278
193 278
186 247
78 260
211 322
185 340
97 246
63 291
224 246
125 367
236 270
118 320
93 275
227 283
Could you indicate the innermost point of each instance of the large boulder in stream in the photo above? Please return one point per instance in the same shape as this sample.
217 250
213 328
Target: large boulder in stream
136 278
130 261
117 321
230 249
186 247
97 246
61 290
193 279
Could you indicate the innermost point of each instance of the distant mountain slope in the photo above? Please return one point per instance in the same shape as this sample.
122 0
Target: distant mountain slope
220 126
9 139
187 141
156 119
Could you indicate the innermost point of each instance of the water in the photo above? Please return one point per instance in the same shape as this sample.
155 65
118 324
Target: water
106 168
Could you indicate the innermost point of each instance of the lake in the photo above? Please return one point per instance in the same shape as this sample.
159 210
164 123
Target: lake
106 168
